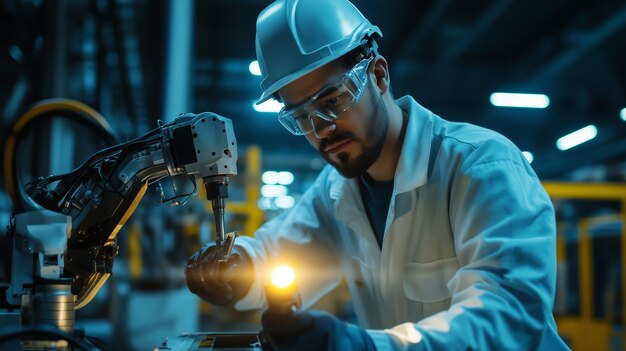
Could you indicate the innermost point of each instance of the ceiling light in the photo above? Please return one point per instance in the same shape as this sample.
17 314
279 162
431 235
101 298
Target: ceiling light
520 100
254 68
270 177
529 156
576 138
285 178
273 190
273 177
285 202
270 105
264 203
623 114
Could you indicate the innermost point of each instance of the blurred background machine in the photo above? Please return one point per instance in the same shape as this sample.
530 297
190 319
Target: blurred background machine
140 61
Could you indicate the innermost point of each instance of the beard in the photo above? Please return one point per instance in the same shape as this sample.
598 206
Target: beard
372 145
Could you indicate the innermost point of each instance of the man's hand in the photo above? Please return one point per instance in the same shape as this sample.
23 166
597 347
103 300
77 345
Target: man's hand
312 330
219 283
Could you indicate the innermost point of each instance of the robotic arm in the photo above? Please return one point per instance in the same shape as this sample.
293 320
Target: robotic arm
84 212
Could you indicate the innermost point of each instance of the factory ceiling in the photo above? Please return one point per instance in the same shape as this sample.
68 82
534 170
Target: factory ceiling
450 55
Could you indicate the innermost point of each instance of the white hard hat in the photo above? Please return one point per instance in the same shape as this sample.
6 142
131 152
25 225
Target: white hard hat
295 37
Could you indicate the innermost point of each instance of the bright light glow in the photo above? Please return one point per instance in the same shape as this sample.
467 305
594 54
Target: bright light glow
285 202
270 177
254 68
520 100
266 203
576 138
273 190
529 156
285 178
273 177
269 106
623 114
283 276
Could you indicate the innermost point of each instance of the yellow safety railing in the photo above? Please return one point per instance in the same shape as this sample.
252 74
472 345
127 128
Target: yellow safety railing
252 183
135 261
584 332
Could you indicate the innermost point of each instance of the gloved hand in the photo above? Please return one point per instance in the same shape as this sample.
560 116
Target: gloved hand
219 283
311 330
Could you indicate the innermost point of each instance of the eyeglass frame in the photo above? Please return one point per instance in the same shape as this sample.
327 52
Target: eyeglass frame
360 80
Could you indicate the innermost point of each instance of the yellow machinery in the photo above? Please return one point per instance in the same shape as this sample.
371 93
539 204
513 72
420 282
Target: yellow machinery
584 332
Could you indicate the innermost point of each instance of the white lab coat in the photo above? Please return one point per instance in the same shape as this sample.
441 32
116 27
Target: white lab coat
468 256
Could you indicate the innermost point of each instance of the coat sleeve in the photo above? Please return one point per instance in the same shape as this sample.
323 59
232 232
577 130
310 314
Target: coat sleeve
300 238
505 239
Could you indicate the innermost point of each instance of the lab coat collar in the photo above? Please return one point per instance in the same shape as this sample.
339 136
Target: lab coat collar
412 169
349 210
344 192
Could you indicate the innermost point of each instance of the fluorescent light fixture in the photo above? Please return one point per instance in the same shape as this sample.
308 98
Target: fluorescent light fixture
273 190
285 178
270 177
520 100
576 138
266 203
623 114
270 105
529 156
254 68
285 202
273 177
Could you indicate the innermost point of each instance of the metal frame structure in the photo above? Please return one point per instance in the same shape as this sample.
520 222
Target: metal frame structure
584 332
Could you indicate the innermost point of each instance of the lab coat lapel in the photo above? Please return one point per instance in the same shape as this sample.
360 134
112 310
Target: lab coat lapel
411 173
350 211
412 169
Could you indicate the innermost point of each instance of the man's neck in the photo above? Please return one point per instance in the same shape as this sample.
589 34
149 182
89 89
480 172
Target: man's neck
385 166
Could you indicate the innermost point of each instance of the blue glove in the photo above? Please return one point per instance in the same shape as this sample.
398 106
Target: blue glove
311 330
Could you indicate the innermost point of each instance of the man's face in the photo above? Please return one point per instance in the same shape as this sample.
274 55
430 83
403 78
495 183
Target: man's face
353 142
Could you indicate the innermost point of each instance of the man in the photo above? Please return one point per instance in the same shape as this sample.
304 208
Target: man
442 230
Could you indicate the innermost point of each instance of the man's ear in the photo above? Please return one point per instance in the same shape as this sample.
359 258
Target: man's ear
381 74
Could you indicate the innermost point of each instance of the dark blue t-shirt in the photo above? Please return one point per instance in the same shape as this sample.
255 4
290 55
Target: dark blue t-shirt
376 197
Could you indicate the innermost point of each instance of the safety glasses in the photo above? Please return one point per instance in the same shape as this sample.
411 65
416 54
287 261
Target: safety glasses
329 103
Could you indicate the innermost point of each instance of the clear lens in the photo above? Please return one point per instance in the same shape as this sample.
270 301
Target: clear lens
329 103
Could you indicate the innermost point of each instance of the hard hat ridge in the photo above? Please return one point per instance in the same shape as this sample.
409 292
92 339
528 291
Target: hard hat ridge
295 37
